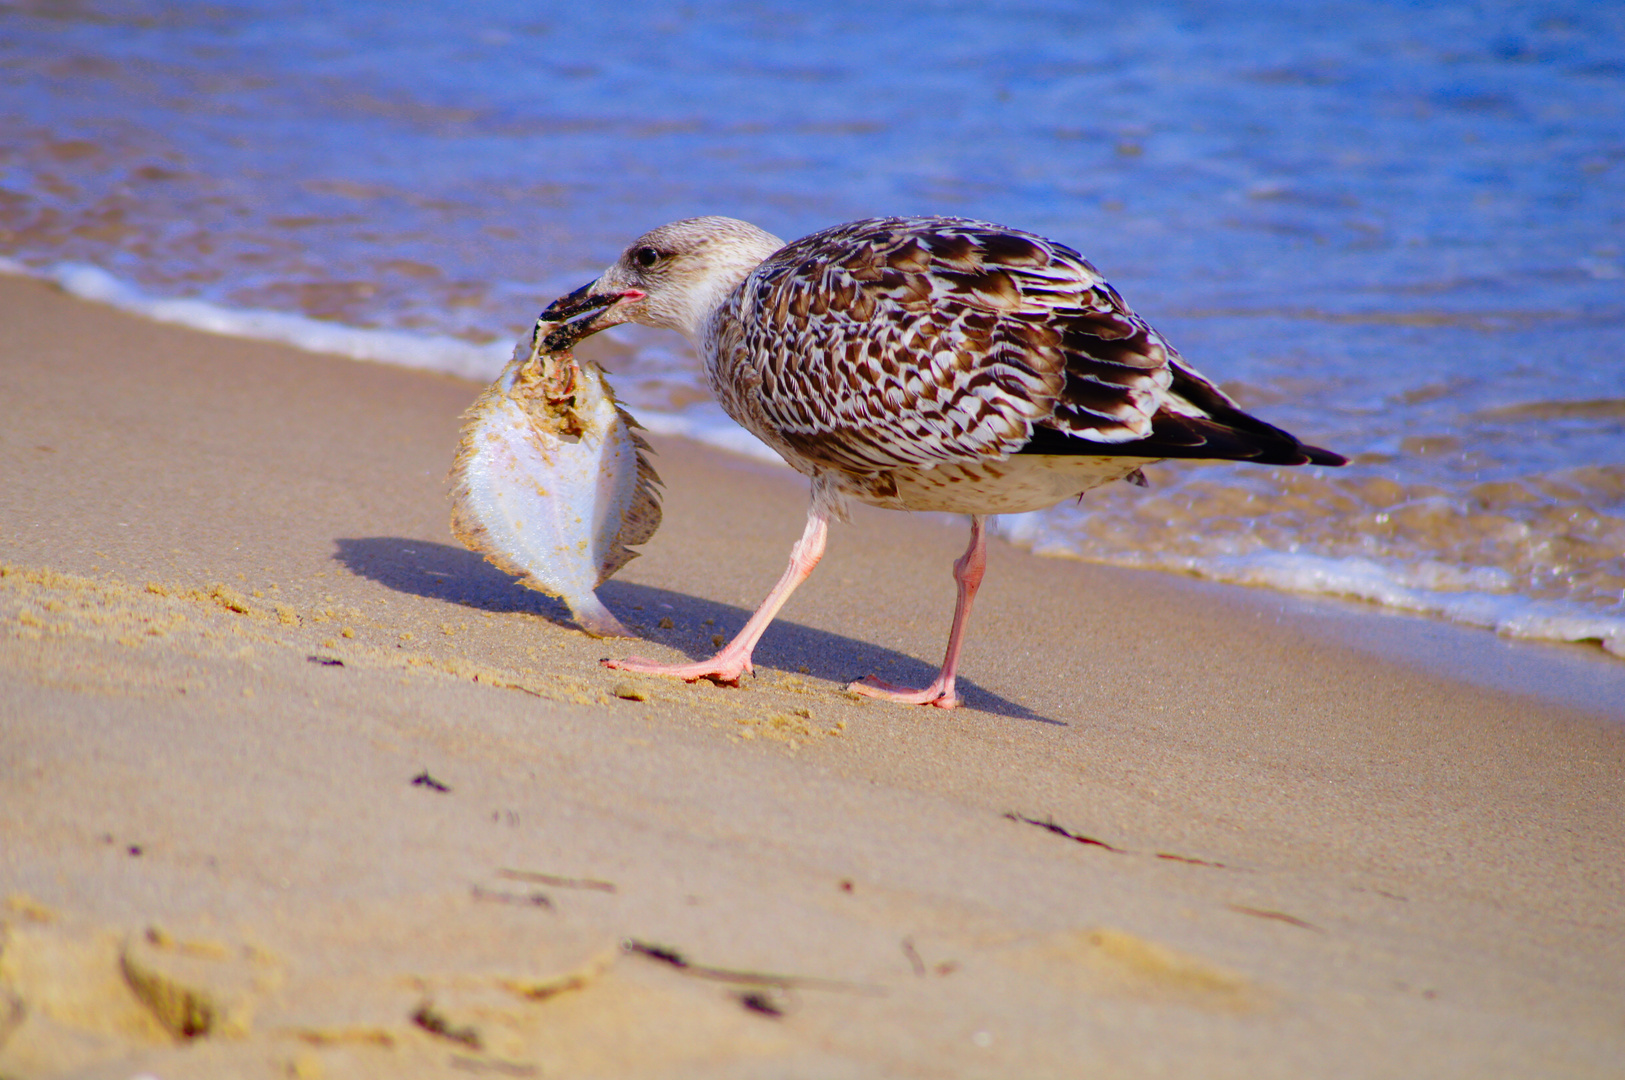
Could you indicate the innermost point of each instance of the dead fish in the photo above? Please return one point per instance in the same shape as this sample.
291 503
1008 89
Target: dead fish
552 481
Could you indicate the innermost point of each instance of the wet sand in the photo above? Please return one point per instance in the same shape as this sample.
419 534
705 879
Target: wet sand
293 785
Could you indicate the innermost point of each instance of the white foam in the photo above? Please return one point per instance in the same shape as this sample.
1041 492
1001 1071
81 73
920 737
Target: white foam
704 423
422 351
1473 596
1393 587
708 424
1460 595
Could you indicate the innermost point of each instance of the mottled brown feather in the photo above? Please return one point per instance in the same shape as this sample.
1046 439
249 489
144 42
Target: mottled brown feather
906 343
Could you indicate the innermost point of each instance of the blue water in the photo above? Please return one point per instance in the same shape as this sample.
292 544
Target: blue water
1397 230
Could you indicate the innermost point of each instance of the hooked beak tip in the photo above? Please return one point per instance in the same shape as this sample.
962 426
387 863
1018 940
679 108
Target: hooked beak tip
568 306
575 316
583 301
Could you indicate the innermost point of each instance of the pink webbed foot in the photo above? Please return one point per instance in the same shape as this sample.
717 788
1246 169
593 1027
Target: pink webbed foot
938 694
725 668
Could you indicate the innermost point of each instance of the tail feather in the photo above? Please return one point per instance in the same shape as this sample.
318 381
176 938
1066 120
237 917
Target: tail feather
1203 423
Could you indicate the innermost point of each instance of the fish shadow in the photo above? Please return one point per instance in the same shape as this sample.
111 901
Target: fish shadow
456 575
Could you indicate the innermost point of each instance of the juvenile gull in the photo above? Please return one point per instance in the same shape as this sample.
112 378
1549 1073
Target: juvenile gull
921 363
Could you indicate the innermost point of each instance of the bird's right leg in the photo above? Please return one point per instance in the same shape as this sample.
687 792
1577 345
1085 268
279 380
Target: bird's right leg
734 659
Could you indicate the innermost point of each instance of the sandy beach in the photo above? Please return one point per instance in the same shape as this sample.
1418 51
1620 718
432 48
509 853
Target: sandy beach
293 785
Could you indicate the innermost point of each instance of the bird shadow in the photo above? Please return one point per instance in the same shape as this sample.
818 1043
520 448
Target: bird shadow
458 576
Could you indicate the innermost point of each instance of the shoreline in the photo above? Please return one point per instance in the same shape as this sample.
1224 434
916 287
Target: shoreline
1176 824
1381 588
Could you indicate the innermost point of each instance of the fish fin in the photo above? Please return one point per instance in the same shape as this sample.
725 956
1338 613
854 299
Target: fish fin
643 516
594 618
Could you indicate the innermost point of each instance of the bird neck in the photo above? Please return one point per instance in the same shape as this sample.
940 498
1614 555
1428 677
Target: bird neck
726 267
697 317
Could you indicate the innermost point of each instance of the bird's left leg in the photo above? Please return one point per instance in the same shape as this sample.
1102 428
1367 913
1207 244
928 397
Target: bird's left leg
968 570
734 659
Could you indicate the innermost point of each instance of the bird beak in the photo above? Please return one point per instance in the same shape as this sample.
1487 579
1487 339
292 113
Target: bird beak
580 313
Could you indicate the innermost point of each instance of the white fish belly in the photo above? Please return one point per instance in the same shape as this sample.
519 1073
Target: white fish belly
546 506
1013 485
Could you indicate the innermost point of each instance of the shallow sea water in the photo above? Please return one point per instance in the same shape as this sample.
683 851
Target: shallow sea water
1398 231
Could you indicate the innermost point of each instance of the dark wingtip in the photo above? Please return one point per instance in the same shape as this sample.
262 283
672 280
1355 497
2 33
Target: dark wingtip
1317 456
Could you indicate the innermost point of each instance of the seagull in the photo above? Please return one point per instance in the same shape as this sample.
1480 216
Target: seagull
920 363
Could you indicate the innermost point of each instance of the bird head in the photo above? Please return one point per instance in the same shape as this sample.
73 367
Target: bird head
671 278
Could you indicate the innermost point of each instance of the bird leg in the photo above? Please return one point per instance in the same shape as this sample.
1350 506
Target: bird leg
968 569
734 659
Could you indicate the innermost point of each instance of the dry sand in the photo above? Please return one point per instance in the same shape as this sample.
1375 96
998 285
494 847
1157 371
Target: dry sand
291 785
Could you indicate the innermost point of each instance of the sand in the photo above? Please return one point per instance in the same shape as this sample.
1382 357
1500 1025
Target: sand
292 785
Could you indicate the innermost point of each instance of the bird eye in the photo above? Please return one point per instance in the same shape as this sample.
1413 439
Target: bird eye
646 257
